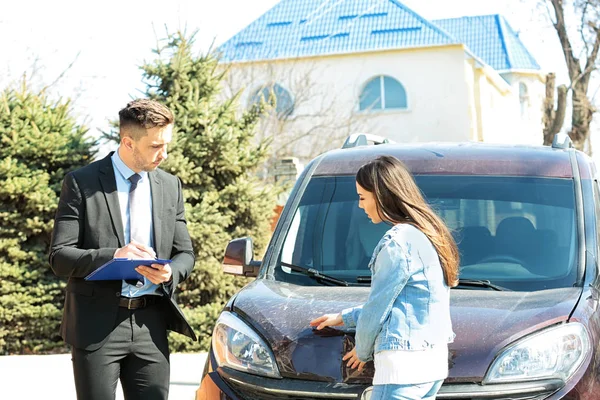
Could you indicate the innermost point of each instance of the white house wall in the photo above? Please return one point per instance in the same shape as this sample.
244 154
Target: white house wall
450 98
473 100
437 96
530 124
499 115
327 91
496 109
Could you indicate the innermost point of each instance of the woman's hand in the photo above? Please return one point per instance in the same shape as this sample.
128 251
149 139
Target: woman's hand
353 360
327 320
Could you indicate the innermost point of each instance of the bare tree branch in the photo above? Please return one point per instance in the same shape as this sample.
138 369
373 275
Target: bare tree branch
591 61
62 74
585 74
549 12
561 29
316 124
580 72
582 27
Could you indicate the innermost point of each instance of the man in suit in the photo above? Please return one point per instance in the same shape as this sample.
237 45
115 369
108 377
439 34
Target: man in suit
123 206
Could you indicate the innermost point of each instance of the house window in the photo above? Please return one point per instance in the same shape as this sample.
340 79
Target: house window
275 95
524 100
383 93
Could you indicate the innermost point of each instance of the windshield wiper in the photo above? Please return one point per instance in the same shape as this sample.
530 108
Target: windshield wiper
313 273
481 283
461 282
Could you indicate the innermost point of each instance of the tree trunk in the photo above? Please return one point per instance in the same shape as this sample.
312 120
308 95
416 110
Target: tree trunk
583 112
579 73
553 118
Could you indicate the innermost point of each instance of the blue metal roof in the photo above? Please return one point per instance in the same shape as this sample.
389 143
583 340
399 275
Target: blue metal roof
491 38
300 28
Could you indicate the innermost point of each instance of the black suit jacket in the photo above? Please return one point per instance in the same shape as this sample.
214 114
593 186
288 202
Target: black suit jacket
87 232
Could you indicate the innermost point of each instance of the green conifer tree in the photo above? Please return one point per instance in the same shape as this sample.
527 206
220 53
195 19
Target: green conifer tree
40 141
216 155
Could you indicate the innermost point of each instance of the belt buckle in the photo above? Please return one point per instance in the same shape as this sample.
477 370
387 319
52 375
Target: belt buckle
129 303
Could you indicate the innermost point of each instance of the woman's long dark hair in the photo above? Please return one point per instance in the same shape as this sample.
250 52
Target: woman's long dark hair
399 200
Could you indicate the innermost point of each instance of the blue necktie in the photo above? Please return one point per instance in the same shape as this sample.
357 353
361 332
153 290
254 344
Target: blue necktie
134 217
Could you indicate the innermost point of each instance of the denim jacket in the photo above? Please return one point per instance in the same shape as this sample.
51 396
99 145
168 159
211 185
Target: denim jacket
409 304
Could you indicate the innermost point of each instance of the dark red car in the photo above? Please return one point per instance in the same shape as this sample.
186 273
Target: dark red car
525 313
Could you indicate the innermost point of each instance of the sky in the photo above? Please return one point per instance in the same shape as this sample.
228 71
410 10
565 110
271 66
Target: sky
91 51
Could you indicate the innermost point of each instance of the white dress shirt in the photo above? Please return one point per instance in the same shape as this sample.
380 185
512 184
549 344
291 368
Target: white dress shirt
122 174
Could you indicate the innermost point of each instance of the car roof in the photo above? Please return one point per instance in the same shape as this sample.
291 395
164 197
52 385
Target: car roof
455 159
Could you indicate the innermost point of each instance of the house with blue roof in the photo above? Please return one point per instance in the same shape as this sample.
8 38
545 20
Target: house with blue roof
336 67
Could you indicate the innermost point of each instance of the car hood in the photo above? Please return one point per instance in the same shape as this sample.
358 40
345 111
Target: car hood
484 322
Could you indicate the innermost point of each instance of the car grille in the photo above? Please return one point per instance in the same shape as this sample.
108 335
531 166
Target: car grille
250 387
536 390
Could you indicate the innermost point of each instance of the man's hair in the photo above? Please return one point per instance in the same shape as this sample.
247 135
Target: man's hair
142 114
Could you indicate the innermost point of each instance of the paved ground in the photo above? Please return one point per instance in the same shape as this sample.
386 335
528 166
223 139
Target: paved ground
51 377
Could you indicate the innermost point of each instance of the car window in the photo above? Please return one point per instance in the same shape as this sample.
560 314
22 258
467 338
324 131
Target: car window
518 232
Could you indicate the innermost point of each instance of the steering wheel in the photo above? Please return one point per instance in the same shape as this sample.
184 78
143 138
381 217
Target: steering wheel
503 258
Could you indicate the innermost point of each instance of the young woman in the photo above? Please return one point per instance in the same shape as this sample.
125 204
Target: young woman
405 323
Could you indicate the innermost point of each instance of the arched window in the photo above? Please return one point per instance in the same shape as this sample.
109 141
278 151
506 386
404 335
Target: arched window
524 100
276 95
383 93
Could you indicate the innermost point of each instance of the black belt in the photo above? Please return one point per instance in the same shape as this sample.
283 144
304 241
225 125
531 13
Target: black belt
133 303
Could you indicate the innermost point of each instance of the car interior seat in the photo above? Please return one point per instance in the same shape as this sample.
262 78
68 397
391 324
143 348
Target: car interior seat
474 243
516 237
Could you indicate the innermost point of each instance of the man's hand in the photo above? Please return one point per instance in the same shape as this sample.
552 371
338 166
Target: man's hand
353 360
327 320
135 251
157 273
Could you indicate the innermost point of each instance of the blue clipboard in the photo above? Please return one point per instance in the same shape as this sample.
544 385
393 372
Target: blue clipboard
119 269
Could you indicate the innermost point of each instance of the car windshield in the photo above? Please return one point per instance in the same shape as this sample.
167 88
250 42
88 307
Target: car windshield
516 232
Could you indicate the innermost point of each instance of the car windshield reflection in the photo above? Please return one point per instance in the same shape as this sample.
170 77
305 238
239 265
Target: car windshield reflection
518 233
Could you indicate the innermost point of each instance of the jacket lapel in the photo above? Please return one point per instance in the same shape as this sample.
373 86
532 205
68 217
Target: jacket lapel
109 188
156 191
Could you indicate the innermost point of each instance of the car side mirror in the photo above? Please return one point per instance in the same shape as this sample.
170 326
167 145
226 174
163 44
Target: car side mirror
239 258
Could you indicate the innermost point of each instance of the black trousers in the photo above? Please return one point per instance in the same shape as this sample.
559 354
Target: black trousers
136 352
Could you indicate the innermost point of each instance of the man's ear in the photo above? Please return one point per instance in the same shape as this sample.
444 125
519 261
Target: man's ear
127 142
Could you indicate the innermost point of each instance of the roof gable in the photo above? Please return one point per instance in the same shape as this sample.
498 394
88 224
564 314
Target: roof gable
302 28
491 38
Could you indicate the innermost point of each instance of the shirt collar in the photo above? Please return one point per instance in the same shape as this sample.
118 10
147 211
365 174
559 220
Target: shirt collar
123 169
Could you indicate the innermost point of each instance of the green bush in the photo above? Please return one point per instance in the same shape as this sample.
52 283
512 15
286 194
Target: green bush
214 152
39 143
216 155
202 318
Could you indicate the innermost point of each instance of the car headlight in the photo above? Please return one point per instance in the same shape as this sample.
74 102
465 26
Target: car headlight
556 352
237 346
